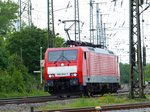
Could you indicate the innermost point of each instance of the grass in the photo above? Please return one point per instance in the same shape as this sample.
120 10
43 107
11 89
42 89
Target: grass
25 94
90 102
76 103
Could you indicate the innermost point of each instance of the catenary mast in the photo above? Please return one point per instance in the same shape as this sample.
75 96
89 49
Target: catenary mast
25 13
91 23
136 83
77 20
51 30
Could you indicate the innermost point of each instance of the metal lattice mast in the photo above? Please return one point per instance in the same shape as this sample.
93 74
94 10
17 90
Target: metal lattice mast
97 23
136 69
104 37
51 30
25 12
91 23
19 3
101 31
29 13
77 21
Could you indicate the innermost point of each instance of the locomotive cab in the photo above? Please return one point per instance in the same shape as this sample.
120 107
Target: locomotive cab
61 73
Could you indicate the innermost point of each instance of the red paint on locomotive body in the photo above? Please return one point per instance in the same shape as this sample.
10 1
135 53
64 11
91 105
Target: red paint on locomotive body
79 67
102 64
66 63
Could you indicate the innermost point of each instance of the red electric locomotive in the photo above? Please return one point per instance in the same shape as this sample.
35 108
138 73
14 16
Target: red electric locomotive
79 69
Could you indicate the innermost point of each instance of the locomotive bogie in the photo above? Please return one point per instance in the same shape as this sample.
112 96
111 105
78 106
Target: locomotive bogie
63 85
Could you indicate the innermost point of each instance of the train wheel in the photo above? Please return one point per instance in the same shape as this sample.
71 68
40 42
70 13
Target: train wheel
68 96
60 96
87 92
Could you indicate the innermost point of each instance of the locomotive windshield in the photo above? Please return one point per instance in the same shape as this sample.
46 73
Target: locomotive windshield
61 55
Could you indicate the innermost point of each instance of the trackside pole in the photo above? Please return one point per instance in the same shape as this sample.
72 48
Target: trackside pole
136 77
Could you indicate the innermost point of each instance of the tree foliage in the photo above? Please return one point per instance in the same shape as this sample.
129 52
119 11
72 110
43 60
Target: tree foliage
3 54
124 72
26 44
20 52
8 14
59 41
15 78
147 72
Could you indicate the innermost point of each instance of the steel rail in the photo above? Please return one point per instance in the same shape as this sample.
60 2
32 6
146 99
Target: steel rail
40 99
102 108
37 99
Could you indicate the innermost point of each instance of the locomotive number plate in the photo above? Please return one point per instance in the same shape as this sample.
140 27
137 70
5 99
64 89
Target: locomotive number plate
62 74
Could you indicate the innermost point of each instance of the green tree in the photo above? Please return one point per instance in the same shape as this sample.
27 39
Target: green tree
5 81
124 72
147 72
19 73
59 41
8 11
3 54
26 44
16 77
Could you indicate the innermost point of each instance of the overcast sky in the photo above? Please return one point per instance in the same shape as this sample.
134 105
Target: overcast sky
116 17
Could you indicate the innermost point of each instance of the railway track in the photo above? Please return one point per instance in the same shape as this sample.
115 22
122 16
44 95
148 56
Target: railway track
40 99
37 99
101 108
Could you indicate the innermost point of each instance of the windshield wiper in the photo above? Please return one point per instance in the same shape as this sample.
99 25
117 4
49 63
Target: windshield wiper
63 57
58 59
66 59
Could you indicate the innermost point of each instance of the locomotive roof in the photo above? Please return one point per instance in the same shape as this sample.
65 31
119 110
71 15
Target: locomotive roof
84 48
100 50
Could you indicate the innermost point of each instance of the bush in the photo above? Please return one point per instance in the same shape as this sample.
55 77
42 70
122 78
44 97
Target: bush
16 77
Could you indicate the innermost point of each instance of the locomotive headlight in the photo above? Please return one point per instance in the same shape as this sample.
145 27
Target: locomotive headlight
73 74
51 75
